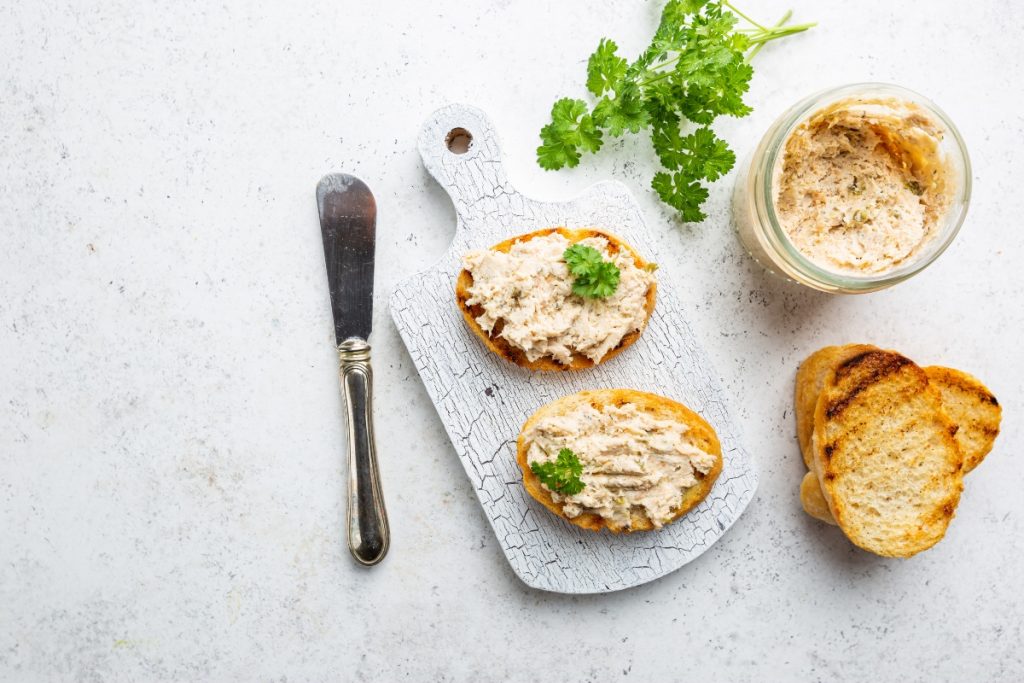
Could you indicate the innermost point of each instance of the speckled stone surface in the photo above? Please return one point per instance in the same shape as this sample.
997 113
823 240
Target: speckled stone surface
171 471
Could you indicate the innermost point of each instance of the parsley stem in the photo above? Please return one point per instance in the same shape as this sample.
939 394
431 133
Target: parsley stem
757 40
661 74
781 32
785 17
757 37
778 24
778 31
734 9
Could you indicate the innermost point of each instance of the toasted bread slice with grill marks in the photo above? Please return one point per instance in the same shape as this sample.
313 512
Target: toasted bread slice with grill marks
810 378
499 345
966 401
813 499
885 456
972 408
699 432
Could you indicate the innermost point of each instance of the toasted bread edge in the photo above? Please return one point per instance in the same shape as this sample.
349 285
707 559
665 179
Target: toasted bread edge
979 422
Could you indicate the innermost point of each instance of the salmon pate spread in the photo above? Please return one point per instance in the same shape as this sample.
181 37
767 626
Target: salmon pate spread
861 186
526 297
631 460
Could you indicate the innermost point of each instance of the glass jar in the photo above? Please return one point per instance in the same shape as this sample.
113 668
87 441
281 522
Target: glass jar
768 243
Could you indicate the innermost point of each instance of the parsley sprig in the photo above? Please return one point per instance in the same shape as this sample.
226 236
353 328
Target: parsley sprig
561 475
695 70
595 277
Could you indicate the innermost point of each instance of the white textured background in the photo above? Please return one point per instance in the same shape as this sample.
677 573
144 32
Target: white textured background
170 435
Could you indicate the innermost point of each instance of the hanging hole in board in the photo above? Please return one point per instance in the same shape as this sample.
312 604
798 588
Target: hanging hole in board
458 141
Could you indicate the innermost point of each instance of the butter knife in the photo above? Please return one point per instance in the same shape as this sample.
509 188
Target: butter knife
348 217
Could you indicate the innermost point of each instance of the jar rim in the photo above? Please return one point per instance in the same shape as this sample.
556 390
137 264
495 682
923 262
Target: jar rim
764 180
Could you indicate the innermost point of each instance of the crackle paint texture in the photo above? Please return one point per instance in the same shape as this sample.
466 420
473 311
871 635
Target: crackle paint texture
457 369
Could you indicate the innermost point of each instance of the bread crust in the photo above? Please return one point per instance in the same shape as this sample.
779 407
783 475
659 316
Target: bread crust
968 403
813 499
972 408
503 348
810 378
878 423
700 433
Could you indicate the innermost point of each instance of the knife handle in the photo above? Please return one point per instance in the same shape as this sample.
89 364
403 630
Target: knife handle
368 534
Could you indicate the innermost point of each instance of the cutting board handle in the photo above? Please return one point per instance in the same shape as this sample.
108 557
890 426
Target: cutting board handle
460 148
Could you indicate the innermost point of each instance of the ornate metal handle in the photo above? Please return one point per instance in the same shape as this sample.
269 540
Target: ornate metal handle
368 534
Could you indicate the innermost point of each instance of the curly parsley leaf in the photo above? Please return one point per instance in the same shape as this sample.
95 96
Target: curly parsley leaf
571 128
602 282
625 112
595 277
605 68
581 259
710 153
696 68
680 193
700 154
561 475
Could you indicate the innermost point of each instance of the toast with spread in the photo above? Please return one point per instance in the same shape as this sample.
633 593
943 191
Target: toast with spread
519 298
618 459
887 444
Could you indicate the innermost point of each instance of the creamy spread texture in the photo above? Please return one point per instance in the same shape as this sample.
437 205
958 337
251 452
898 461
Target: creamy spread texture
529 290
862 185
630 459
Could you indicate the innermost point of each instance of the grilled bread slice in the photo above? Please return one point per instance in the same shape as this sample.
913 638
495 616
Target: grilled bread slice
972 408
967 402
699 433
810 378
884 453
499 345
813 499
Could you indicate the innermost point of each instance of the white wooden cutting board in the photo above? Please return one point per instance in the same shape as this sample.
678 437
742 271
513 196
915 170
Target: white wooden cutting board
484 400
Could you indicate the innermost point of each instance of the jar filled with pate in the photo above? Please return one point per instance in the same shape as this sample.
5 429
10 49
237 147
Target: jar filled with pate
854 189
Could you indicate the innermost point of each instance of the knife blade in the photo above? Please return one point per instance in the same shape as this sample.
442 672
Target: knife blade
348 220
348 217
